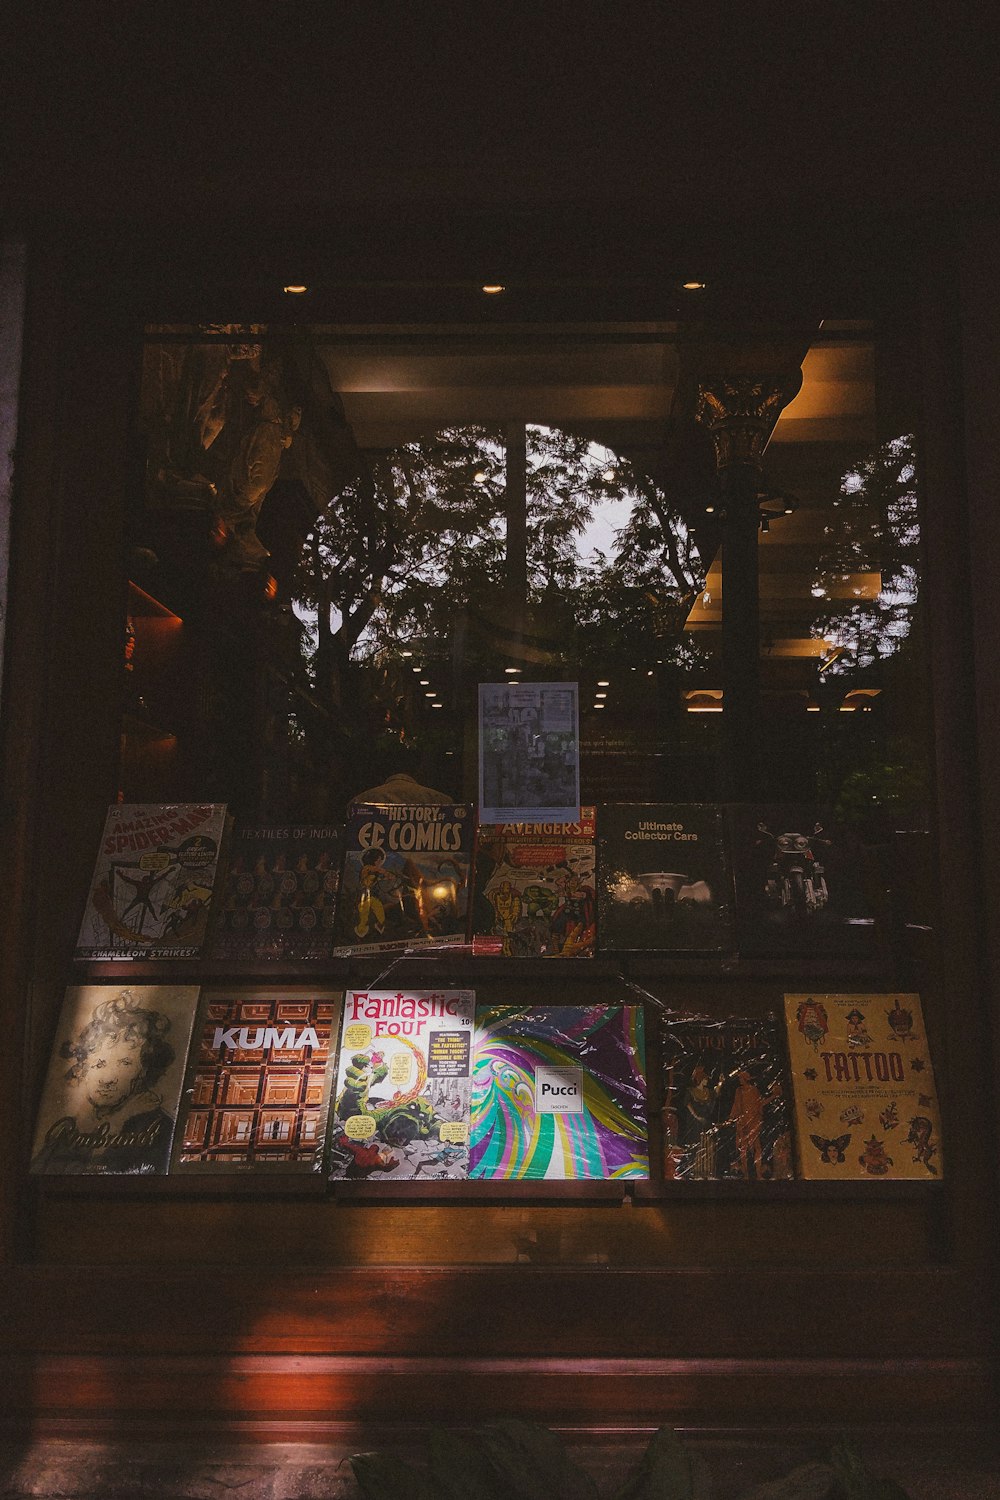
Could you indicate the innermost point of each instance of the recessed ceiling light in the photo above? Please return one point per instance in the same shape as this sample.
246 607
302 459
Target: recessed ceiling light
406 653
441 705
493 288
600 695
604 682
425 682
600 705
295 290
430 695
511 670
693 286
710 510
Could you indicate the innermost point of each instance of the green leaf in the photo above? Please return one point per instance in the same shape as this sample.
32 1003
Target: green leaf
534 1464
808 1482
668 1471
381 1476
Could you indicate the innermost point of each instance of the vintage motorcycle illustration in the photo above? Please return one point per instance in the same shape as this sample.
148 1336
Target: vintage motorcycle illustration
796 878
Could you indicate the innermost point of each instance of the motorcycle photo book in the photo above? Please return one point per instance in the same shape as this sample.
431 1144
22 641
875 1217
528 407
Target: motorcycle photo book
803 883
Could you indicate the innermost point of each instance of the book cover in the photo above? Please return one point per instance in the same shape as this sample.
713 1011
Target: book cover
529 752
664 884
153 881
401 1106
866 1106
405 881
534 889
559 1092
257 1090
110 1101
802 883
725 1101
279 898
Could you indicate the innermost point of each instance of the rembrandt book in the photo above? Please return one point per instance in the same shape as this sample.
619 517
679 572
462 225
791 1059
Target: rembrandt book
401 1106
405 882
153 881
280 894
114 1080
534 889
725 1109
257 1091
664 885
866 1105
559 1092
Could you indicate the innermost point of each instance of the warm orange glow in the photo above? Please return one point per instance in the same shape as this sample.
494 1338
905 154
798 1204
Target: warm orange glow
494 288
270 586
693 286
703 701
142 605
295 290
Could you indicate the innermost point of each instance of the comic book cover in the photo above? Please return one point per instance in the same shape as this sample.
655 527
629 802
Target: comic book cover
529 752
279 898
257 1090
405 882
533 893
559 1092
802 883
114 1082
664 884
866 1106
153 881
401 1106
725 1100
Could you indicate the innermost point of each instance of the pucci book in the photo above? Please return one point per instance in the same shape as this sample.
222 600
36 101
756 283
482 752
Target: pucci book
559 1092
401 1107
534 894
725 1100
866 1104
664 884
153 881
405 881
803 885
113 1088
279 898
257 1091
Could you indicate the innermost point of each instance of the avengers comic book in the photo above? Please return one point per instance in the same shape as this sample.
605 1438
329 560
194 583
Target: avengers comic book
257 1090
114 1082
405 881
663 879
725 1100
559 1092
866 1105
279 898
534 893
153 881
803 883
401 1105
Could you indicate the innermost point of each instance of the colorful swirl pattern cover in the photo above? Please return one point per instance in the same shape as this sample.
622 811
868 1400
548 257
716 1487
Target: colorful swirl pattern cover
592 1059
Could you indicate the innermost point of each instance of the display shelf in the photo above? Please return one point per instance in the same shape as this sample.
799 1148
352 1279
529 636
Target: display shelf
790 1190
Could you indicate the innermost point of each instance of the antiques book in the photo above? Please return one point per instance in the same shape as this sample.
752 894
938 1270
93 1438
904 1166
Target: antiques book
866 1106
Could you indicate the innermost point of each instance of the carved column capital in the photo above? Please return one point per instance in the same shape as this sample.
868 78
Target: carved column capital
740 413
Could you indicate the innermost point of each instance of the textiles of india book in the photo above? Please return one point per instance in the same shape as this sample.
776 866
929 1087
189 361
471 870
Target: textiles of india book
401 1107
280 894
406 877
114 1080
257 1092
559 1092
803 885
153 881
866 1106
725 1109
664 885
534 889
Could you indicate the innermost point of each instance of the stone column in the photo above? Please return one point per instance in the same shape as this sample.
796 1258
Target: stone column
740 413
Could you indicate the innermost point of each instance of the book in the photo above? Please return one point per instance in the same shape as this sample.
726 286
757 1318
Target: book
725 1100
664 883
153 881
866 1106
529 752
533 889
111 1095
559 1092
802 883
405 881
279 897
257 1090
401 1106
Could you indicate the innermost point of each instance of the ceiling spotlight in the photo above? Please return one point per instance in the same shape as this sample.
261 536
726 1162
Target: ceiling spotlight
494 288
604 682
480 476
406 653
600 695
295 290
600 705
425 682
511 670
430 695
441 705
710 510
693 286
